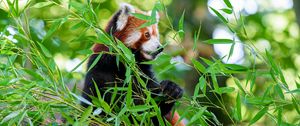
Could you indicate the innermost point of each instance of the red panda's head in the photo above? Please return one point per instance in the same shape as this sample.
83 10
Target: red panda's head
125 27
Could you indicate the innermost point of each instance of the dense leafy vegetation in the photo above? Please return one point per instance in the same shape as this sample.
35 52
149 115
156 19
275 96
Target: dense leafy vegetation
35 89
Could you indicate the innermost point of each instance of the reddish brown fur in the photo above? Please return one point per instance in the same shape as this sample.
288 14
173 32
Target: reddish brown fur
132 24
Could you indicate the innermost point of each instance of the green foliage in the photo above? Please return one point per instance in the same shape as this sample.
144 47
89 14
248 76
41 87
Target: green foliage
34 90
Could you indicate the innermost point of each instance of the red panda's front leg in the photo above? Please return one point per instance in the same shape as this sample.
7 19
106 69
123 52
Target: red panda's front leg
172 92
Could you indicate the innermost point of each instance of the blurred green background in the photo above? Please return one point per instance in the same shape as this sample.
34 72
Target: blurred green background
271 25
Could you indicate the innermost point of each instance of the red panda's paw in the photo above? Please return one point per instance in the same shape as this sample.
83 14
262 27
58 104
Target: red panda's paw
171 90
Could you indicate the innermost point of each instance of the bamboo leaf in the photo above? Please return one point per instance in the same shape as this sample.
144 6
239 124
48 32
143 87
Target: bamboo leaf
228 4
80 98
293 91
129 94
231 50
238 107
219 15
200 85
219 41
197 116
279 91
148 23
45 50
224 90
279 117
34 74
158 6
199 66
239 85
10 116
226 10
42 4
236 67
57 23
95 61
180 26
85 115
214 80
141 16
261 113
139 108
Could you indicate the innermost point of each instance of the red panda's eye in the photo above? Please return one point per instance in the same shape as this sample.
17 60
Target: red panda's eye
147 35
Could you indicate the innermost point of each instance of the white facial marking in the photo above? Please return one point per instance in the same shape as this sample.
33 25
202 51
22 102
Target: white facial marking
147 56
151 45
132 38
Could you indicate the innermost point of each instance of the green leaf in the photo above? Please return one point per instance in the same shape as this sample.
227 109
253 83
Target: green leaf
57 23
42 4
10 116
158 113
219 41
226 10
195 41
85 115
239 85
199 66
238 107
95 61
279 117
139 108
129 94
293 91
197 36
295 104
34 74
45 50
261 113
208 62
148 23
279 91
78 6
141 16
224 90
231 50
236 67
127 75
258 100
78 65
200 85
105 106
103 38
158 6
214 81
197 116
219 15
4 81
80 98
228 4
180 26
128 54
76 26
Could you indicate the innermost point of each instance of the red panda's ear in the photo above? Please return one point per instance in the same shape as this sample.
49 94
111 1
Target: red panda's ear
125 12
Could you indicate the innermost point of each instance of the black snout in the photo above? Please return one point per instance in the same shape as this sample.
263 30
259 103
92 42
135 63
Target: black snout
159 50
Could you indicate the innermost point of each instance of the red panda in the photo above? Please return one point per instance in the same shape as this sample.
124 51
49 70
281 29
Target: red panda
145 45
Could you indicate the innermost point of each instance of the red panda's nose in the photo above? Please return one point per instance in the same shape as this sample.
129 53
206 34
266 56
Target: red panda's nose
160 49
